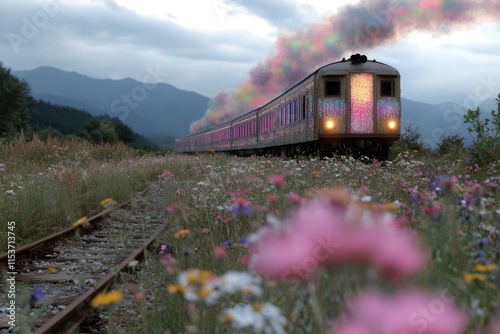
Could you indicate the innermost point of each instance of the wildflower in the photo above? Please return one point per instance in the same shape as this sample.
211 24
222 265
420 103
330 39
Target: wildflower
170 263
205 231
320 234
37 295
272 197
107 203
227 243
235 281
181 233
244 260
471 277
266 318
241 207
494 327
2 167
132 264
166 249
482 268
408 311
243 240
296 199
10 192
277 180
220 252
138 295
105 299
315 173
82 221
197 285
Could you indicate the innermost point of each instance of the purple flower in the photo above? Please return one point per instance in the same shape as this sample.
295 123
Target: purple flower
243 240
227 243
241 207
37 295
483 243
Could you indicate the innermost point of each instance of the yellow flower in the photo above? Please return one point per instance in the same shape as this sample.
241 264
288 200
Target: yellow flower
80 221
390 207
51 269
204 293
228 318
174 288
257 307
470 277
107 298
315 173
107 203
482 268
181 233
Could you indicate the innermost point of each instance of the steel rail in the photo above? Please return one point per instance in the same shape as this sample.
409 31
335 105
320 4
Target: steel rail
27 251
76 312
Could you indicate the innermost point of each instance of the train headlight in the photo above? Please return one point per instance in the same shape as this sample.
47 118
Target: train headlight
392 124
329 124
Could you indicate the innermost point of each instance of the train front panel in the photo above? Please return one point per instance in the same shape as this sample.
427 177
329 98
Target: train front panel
358 105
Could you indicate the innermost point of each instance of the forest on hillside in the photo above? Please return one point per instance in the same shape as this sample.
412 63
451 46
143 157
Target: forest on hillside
21 114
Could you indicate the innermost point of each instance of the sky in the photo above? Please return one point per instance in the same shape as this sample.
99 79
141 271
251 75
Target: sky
244 52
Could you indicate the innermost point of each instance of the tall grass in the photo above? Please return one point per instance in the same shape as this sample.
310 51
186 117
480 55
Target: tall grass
47 185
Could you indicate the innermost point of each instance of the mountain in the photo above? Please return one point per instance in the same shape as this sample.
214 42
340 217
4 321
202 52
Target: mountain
151 109
435 120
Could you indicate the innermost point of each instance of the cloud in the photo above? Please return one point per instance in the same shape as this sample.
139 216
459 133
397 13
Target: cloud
280 13
113 39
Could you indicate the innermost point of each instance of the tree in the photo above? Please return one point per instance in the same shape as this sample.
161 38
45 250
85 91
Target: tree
100 131
487 142
15 99
451 144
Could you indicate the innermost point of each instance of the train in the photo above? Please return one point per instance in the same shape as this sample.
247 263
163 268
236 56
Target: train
351 106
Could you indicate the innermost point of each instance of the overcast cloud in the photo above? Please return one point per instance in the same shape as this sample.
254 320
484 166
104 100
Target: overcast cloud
102 39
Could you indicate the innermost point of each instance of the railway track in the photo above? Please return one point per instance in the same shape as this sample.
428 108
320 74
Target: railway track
71 267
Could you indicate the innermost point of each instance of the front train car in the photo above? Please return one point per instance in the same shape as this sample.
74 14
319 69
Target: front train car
358 106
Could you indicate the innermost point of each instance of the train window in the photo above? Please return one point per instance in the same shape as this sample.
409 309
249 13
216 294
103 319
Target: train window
332 88
387 88
303 107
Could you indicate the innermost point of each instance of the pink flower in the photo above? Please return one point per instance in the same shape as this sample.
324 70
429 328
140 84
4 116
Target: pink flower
300 248
205 231
220 252
397 254
410 312
277 180
494 327
321 234
244 260
294 198
170 263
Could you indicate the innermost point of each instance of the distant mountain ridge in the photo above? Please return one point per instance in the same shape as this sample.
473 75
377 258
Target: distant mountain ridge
161 109
151 109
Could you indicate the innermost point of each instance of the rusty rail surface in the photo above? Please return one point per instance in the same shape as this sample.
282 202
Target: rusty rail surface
76 312
27 251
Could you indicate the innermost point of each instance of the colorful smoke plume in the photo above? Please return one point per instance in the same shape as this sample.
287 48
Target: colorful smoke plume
354 28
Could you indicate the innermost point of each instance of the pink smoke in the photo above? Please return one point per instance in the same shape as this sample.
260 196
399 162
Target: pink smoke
355 28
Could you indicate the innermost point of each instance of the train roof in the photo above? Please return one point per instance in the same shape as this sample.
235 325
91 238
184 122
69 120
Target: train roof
357 62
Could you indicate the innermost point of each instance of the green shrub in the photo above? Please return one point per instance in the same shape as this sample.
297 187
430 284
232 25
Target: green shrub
451 144
486 144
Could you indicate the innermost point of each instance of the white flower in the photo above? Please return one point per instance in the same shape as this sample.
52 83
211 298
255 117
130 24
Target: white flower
265 318
234 281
